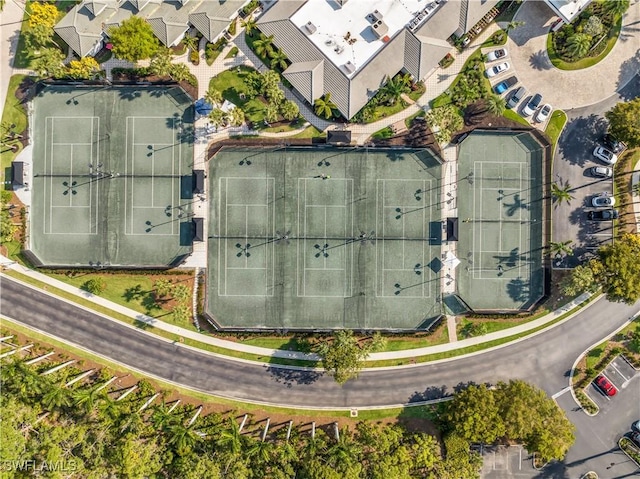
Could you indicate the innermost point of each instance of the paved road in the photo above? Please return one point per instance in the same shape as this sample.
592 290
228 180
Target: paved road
573 156
545 359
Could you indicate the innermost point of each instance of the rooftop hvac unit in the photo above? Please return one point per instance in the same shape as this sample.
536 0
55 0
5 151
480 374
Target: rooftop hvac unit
376 15
380 29
341 2
349 67
310 28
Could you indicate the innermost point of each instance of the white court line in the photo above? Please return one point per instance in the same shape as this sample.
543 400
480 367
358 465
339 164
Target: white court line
69 144
247 268
619 372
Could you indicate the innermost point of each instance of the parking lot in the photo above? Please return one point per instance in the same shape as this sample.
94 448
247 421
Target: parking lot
620 373
502 462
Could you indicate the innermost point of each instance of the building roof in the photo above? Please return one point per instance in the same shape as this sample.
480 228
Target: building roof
415 41
335 137
213 16
171 20
568 10
81 29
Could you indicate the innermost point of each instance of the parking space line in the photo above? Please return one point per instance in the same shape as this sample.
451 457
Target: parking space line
620 373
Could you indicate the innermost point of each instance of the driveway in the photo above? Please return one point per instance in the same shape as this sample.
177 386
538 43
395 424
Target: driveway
10 23
571 89
572 158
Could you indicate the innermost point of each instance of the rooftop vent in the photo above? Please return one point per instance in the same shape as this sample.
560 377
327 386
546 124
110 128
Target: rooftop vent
380 29
349 67
338 49
310 28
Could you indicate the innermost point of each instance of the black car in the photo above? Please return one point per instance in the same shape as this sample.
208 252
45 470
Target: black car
603 215
612 143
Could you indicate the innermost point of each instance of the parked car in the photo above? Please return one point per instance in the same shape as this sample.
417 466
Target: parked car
605 385
604 155
603 215
515 97
505 85
635 437
544 113
601 171
603 200
532 105
496 70
612 143
636 426
497 54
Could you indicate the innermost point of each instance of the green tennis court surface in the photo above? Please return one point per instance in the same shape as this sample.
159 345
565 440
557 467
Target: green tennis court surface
500 211
112 181
324 238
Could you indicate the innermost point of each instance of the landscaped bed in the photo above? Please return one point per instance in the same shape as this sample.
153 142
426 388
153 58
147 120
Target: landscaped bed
588 39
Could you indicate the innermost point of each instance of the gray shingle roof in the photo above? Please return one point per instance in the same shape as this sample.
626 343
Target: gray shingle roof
213 16
81 29
171 20
307 78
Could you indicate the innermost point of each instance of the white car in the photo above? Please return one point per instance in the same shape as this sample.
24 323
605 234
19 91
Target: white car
498 54
544 113
605 155
603 200
499 68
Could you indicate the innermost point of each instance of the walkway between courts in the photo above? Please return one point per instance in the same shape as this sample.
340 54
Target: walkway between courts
278 353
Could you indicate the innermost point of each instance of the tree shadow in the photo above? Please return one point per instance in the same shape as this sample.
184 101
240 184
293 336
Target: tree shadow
540 61
288 377
628 85
133 293
429 394
580 137
519 290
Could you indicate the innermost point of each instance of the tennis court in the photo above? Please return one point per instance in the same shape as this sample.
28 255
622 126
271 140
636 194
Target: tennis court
112 174
500 208
324 238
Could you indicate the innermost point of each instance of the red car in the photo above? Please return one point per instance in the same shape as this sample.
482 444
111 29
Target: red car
605 385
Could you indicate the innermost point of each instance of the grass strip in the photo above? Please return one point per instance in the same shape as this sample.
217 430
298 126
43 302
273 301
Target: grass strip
419 411
284 361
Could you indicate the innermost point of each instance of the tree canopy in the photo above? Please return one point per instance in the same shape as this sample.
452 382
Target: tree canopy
343 354
514 411
133 40
624 121
43 14
83 69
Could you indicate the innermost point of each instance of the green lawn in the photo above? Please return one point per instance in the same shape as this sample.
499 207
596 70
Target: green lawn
588 61
231 83
493 41
512 115
555 126
383 134
13 113
310 132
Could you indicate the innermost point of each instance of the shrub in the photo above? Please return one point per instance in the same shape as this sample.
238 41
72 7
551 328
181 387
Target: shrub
194 57
95 285
232 27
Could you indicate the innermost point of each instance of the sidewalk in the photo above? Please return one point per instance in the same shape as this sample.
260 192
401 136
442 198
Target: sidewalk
278 353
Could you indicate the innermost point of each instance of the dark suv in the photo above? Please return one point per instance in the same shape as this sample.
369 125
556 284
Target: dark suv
603 215
612 143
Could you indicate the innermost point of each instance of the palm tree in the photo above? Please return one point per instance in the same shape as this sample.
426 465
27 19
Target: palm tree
344 452
264 45
561 193
182 437
578 45
191 42
161 64
495 104
86 398
161 418
560 247
271 113
289 110
394 88
230 438
261 450
323 106
279 59
217 117
512 25
249 24
181 293
213 97
615 7
236 116
163 287
56 397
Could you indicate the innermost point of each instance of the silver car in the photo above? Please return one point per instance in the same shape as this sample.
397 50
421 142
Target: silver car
603 200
